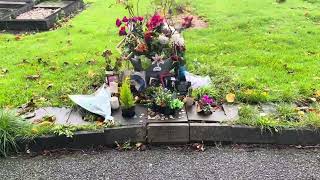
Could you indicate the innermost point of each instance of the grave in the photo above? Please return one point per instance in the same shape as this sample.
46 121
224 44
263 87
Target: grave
26 15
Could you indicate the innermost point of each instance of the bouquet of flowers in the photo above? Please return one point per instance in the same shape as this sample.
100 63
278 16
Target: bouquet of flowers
148 44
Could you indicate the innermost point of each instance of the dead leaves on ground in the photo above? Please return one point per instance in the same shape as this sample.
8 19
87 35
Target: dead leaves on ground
33 77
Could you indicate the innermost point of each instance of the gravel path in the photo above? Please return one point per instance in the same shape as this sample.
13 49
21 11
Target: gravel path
167 163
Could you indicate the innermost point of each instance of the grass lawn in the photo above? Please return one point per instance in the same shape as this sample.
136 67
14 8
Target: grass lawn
260 50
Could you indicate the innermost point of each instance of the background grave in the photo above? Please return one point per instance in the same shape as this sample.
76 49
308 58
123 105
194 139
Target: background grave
28 16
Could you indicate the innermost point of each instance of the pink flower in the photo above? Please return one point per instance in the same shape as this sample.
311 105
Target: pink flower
155 21
118 22
125 19
122 31
207 100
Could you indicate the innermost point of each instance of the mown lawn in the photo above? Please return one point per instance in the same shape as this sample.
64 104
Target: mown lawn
260 50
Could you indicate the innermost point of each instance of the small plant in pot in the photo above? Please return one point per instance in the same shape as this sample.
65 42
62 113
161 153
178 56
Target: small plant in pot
166 102
127 100
204 105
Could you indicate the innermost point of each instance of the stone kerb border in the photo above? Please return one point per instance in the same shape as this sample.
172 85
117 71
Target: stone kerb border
175 133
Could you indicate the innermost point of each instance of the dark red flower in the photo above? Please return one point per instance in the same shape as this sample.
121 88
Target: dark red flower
148 36
118 22
155 21
122 31
134 19
175 58
125 19
140 18
187 21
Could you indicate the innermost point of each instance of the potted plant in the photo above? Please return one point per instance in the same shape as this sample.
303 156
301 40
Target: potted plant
166 102
204 105
127 100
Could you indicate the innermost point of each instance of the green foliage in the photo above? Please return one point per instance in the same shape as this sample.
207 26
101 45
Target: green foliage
126 96
287 112
64 130
11 128
166 98
176 104
207 90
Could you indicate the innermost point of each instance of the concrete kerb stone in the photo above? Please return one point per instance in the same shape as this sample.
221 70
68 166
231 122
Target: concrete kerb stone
210 132
168 133
133 133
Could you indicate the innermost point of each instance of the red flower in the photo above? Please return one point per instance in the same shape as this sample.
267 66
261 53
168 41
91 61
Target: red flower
125 19
118 22
187 21
140 18
175 58
148 36
155 21
122 31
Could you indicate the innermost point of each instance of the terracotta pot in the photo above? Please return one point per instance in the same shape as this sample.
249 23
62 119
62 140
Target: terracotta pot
129 112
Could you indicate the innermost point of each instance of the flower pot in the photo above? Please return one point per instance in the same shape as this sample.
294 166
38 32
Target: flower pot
201 110
163 110
128 112
189 101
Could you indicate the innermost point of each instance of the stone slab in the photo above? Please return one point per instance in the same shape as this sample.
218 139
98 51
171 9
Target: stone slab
64 116
37 24
180 117
124 134
231 111
269 109
168 133
140 118
298 137
216 116
49 4
210 132
252 135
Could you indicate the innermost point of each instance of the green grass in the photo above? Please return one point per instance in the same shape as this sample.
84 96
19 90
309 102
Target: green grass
11 128
263 47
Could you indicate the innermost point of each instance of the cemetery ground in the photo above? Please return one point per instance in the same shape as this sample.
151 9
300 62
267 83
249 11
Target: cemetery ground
262 52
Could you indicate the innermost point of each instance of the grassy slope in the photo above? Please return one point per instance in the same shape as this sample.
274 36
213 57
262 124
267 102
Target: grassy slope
251 39
254 41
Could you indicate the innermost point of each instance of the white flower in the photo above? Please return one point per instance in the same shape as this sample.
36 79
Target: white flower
163 39
177 39
168 30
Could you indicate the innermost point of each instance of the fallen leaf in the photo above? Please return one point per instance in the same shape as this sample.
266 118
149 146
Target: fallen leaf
92 62
18 37
91 74
49 86
4 71
317 94
230 97
33 77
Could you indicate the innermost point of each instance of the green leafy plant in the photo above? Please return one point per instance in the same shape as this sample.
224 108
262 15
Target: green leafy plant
206 90
176 104
165 98
126 96
11 128
64 130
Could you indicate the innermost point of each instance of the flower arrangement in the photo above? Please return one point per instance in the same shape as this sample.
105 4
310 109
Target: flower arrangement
205 104
127 99
165 102
153 39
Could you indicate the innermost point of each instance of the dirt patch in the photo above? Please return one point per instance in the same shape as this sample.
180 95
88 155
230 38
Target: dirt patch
38 13
197 22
